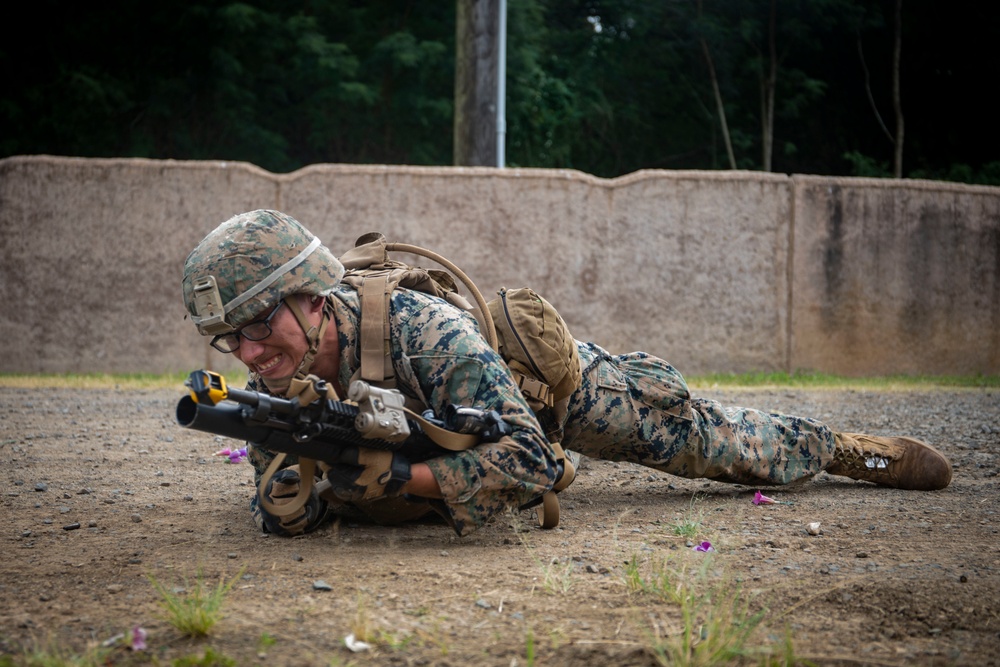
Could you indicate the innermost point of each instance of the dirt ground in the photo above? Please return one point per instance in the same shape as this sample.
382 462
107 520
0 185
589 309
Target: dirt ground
102 490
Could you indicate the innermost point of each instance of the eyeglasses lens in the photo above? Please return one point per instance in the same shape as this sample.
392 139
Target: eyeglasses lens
254 331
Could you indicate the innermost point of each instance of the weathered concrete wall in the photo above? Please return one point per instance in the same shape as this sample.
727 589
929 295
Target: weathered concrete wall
715 271
896 277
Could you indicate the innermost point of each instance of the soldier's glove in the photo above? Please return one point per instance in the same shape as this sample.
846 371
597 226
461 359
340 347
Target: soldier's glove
281 490
361 473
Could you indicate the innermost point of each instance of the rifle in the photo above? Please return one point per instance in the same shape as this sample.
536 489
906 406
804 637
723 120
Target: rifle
372 417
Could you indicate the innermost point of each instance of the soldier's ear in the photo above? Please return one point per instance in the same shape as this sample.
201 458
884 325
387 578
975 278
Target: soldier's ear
312 304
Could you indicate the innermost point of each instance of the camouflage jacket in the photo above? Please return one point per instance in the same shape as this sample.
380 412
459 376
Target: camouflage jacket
440 358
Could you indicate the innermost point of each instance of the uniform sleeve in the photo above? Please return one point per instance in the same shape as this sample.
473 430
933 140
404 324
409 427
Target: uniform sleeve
440 356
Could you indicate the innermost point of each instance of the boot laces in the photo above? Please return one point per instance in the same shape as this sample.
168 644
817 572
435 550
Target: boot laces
862 460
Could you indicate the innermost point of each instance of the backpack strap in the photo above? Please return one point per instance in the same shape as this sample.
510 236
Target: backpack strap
374 276
373 292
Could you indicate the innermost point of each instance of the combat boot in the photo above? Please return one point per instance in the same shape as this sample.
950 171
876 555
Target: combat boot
903 463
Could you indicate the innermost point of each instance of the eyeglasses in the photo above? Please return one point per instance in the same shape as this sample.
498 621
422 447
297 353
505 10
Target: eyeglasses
230 342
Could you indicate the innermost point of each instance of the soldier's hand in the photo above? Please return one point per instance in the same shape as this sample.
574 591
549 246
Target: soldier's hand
282 488
360 473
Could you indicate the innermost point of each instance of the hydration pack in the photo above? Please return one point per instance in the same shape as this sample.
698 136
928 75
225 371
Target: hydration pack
525 329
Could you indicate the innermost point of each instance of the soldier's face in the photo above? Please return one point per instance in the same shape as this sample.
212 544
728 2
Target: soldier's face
278 355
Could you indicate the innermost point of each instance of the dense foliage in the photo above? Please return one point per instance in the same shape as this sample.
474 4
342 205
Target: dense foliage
604 86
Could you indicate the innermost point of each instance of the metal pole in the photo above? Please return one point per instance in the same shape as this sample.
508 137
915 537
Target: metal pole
501 83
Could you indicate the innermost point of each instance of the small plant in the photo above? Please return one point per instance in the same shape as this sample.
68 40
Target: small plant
690 526
557 577
194 612
529 648
94 656
363 626
686 528
436 638
654 577
265 641
716 621
209 659
395 641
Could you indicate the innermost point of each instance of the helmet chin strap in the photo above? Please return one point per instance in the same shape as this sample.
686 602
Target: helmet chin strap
313 337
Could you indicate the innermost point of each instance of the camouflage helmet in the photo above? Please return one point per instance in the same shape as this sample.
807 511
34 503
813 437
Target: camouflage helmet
250 263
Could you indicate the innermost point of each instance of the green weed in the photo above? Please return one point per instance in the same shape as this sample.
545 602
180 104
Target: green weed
265 641
807 379
54 656
717 623
209 659
691 525
557 575
194 609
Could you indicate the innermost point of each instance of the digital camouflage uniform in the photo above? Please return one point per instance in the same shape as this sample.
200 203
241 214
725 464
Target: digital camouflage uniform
631 407
439 359
635 407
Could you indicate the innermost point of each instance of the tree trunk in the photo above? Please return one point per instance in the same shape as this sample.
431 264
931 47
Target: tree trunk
767 92
896 99
476 59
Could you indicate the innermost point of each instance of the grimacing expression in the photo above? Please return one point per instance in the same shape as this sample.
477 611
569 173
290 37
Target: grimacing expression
278 355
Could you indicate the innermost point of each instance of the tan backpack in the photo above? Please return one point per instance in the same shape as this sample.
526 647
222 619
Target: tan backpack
525 329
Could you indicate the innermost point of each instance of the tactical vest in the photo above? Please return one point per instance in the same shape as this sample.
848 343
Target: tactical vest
525 329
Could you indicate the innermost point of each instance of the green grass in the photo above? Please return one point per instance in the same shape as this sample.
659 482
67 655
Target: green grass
94 380
209 659
196 608
709 619
55 656
810 380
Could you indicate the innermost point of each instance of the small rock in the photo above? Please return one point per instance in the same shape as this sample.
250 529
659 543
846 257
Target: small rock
861 554
41 486
91 524
320 585
72 526
231 555
136 518
115 588
814 528
483 604
297 558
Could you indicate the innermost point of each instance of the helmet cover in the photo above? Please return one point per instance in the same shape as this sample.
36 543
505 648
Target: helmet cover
250 263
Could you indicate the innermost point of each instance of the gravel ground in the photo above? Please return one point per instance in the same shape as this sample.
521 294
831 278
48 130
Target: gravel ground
104 491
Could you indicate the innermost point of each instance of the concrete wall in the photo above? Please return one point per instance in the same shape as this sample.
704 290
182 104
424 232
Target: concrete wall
714 271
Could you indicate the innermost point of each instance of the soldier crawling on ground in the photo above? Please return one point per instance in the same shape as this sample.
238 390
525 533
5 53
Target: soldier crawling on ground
272 295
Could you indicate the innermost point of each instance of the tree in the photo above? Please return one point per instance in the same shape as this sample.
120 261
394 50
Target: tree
476 61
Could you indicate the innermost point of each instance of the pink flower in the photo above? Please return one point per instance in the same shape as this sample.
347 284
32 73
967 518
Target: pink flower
760 499
138 639
704 546
235 455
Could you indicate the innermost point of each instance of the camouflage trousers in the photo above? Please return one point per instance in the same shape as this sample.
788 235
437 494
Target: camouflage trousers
636 407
